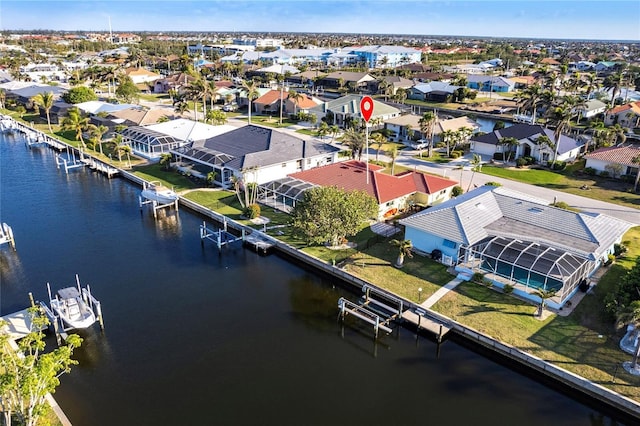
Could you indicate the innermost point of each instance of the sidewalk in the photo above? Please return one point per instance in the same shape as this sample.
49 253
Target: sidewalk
441 293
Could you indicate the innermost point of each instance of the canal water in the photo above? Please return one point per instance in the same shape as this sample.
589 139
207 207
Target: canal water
194 337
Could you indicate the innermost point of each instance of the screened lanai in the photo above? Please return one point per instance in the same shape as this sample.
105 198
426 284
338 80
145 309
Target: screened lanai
148 143
283 193
533 265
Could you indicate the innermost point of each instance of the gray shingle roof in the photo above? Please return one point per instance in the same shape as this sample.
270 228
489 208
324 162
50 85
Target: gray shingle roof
490 211
251 146
523 131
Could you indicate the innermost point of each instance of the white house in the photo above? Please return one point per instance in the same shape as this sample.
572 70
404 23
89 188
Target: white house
256 154
516 239
621 157
527 136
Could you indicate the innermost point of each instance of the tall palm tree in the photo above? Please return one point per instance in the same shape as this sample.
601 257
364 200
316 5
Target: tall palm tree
591 83
545 141
384 87
530 98
476 164
631 316
427 128
45 101
76 122
251 87
636 160
334 130
295 98
196 90
355 140
97 132
560 116
3 97
213 92
614 83
447 137
393 154
379 139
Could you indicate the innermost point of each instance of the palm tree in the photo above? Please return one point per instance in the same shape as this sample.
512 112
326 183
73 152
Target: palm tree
379 139
3 97
404 249
334 130
530 98
543 294
295 98
97 132
476 165
198 89
631 316
323 129
165 160
355 140
212 90
384 87
507 147
543 141
76 122
393 154
614 83
427 127
251 88
123 148
45 101
590 83
211 177
447 136
559 116
636 160
180 104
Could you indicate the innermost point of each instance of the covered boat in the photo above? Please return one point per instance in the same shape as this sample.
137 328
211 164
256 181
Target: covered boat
155 191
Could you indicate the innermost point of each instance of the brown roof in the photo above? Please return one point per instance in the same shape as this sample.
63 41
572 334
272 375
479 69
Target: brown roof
142 116
617 154
351 176
549 61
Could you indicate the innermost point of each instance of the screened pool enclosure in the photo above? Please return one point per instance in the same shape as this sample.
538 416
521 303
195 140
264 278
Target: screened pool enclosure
283 193
532 265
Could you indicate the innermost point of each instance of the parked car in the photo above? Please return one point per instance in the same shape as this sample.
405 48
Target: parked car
230 107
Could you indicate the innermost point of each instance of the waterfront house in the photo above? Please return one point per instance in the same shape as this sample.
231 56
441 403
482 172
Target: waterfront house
269 103
403 125
626 158
354 81
528 146
516 239
436 91
394 194
591 108
490 83
255 154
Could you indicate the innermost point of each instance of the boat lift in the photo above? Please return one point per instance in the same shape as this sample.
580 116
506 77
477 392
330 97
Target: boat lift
57 323
154 203
69 161
379 311
6 236
221 236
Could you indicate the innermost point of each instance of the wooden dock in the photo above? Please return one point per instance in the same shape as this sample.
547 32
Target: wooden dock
18 324
419 318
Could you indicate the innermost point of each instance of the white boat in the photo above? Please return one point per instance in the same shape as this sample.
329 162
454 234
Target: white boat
74 306
155 191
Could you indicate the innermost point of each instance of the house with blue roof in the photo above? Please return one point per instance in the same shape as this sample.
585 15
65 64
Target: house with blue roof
515 239
488 83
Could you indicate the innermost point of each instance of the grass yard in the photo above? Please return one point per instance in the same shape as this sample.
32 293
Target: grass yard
375 265
585 342
270 121
437 157
169 178
308 132
612 191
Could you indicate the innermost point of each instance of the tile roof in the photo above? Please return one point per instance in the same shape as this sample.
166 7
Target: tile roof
617 154
633 106
351 176
490 211
268 98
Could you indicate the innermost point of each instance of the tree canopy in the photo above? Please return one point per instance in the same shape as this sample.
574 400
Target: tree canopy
330 214
79 94
127 90
627 291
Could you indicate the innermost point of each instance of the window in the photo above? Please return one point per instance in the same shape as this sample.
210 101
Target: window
284 164
299 164
449 244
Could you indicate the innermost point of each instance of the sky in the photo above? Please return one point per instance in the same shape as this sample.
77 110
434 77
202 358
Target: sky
574 19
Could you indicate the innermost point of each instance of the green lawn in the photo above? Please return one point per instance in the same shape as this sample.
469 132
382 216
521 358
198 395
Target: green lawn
585 342
270 121
570 181
437 157
309 132
169 178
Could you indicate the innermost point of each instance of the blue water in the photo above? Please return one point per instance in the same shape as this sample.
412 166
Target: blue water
194 337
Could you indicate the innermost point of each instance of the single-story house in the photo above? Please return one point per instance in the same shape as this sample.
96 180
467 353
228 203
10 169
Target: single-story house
351 80
394 194
516 239
528 145
591 108
349 107
255 154
140 116
396 82
400 125
623 156
437 91
174 81
487 83
141 75
627 115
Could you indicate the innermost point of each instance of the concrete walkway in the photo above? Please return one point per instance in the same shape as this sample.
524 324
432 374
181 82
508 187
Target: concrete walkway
441 292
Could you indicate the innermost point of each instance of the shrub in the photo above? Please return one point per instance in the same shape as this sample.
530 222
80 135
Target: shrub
604 174
610 259
619 250
507 289
493 184
521 162
252 211
456 154
456 190
590 171
477 277
561 205
530 160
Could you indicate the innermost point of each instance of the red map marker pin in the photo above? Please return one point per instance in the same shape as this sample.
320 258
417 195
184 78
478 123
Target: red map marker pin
366 108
